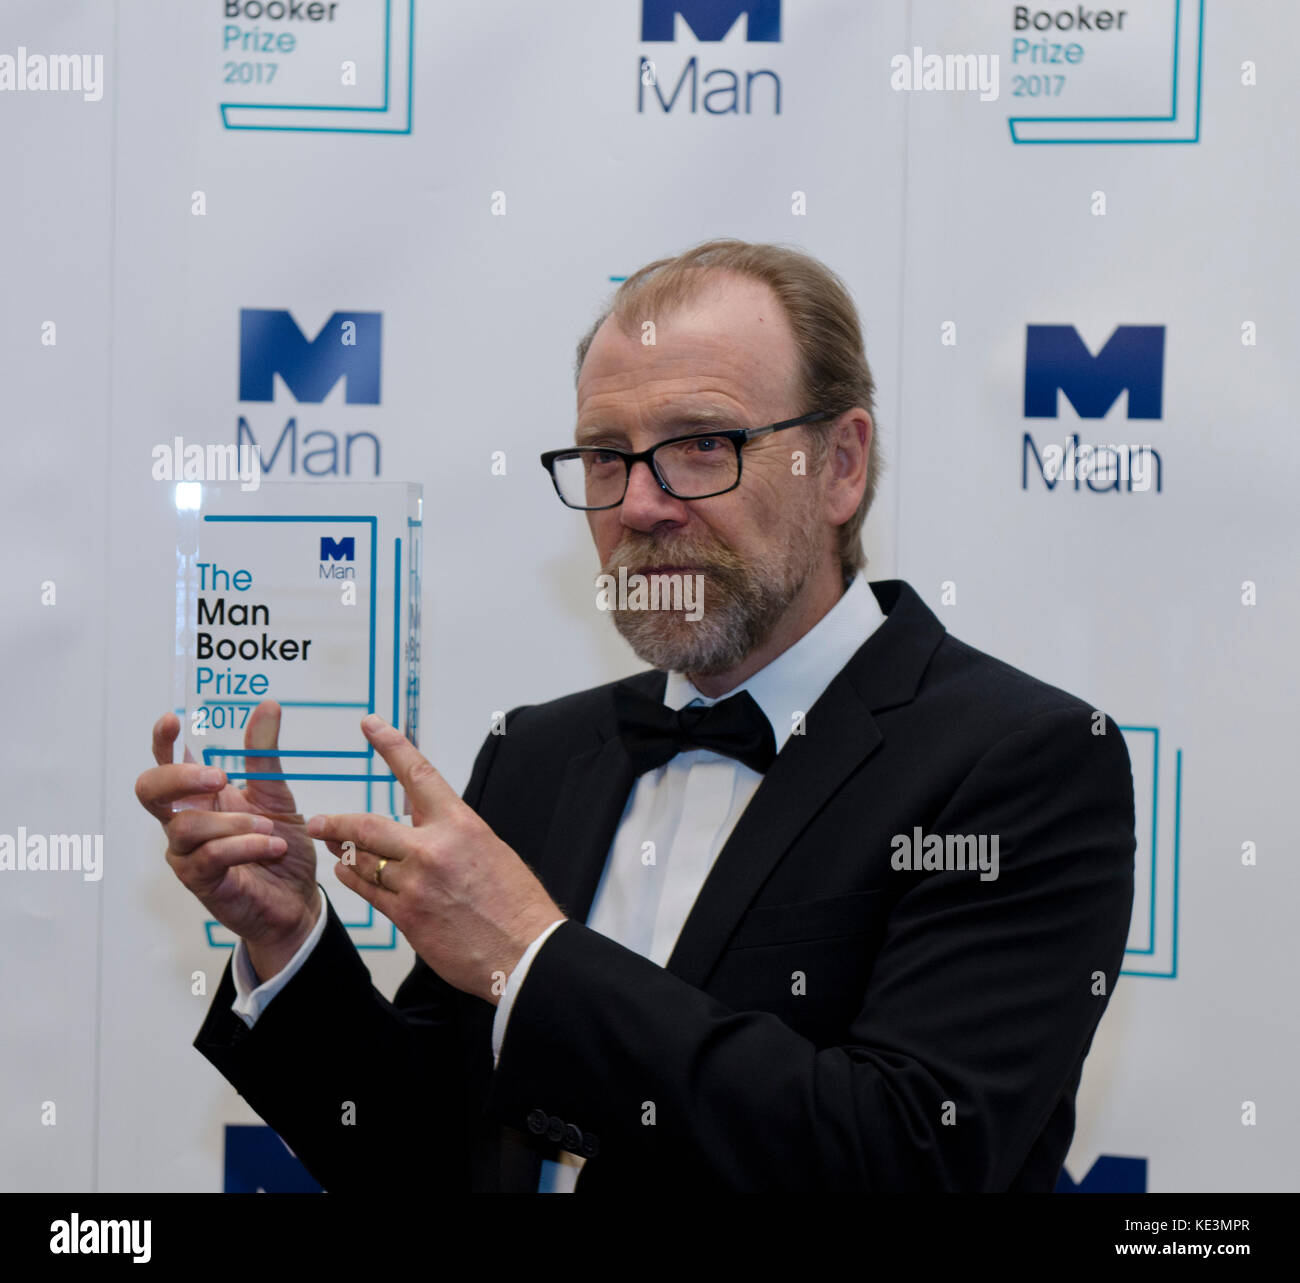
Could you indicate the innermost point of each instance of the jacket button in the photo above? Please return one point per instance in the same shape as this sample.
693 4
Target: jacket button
537 1121
572 1139
590 1146
556 1129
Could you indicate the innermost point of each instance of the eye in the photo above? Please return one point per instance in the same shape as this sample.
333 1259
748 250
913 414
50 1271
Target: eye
704 445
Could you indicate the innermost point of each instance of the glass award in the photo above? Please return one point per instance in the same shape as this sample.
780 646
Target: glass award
307 594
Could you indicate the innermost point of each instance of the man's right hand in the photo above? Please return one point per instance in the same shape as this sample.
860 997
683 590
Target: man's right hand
244 853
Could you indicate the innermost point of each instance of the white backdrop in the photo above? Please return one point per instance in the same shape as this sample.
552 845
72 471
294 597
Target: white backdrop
492 171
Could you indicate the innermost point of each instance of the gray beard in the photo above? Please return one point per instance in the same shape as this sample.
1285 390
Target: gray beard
741 608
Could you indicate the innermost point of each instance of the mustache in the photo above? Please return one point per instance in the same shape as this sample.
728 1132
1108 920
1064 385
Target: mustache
635 553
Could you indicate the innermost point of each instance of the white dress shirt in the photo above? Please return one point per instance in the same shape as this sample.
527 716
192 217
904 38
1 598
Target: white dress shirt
686 808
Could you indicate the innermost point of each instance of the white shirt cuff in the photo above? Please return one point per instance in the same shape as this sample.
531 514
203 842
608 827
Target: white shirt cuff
251 1002
513 984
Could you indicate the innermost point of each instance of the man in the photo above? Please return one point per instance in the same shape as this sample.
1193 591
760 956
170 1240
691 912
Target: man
825 900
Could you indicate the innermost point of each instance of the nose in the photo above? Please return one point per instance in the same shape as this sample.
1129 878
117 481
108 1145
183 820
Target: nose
647 503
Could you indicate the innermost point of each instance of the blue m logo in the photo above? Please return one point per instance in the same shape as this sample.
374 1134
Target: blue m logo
344 549
1057 359
1110 1174
711 19
347 347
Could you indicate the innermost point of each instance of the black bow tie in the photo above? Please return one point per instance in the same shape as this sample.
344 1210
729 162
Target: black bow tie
653 733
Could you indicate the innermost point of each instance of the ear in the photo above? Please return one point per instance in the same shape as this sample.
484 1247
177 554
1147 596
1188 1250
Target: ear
850 451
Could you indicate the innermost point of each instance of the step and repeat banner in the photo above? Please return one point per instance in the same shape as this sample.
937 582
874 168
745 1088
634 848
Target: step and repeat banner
1068 229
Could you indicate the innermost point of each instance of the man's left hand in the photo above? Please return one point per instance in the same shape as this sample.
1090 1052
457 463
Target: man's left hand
466 902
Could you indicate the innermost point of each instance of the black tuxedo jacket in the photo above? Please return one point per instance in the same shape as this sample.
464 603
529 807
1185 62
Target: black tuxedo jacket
826 1021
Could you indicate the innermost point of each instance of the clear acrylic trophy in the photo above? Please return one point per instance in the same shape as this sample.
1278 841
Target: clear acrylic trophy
308 594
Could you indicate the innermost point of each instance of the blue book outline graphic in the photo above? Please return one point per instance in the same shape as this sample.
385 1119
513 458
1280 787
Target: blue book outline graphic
394 115
1141 960
1181 125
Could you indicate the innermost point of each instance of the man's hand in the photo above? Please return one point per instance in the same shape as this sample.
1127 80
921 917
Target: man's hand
466 902
244 853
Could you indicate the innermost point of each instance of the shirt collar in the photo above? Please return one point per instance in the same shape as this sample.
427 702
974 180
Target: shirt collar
795 679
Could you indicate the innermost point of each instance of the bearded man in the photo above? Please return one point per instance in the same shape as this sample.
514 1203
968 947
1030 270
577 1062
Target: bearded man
823 900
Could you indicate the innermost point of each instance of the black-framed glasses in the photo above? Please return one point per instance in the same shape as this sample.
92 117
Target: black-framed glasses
698 466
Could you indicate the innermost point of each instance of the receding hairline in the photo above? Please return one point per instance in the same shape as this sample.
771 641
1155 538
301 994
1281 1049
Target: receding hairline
678 291
671 295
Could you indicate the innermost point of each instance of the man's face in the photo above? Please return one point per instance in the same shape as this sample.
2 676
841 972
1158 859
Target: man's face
725 360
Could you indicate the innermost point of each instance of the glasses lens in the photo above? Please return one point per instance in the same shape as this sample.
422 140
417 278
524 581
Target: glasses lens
698 466
590 478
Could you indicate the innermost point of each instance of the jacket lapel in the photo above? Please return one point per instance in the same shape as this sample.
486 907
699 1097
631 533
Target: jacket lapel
840 734
593 795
